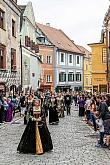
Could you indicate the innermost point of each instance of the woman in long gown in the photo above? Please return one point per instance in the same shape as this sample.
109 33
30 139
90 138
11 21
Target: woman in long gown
53 114
9 112
36 138
81 107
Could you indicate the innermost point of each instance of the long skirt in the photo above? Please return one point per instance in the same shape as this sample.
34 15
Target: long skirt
81 111
9 115
28 141
53 115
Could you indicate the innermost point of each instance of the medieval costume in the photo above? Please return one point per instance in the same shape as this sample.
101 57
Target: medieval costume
81 107
53 114
36 138
60 106
9 111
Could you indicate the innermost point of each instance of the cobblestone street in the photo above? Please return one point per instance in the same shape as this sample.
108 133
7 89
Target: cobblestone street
72 139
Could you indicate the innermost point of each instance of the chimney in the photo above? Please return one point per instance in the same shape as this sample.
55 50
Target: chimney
48 24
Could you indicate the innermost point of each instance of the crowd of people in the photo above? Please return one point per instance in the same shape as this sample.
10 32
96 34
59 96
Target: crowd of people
8 106
96 112
35 107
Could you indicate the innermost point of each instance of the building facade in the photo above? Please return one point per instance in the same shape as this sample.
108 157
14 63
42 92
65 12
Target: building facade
87 69
10 64
47 76
29 49
99 65
46 55
67 59
68 71
106 24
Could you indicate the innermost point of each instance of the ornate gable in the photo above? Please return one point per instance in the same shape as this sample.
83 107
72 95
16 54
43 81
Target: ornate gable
29 13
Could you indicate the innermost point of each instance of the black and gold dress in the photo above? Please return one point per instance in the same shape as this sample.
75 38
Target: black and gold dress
36 138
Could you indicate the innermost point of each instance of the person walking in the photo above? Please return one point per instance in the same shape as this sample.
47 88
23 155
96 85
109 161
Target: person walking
81 103
67 100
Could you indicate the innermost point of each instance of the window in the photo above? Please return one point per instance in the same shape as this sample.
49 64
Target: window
13 59
86 80
2 57
86 67
49 60
77 59
13 28
78 76
71 77
90 67
62 57
2 13
62 77
49 79
104 55
90 80
70 58
27 41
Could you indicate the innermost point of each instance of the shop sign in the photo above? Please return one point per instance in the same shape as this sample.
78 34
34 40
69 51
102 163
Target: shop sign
99 79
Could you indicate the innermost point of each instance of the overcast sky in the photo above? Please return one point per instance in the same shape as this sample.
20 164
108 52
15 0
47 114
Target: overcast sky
81 20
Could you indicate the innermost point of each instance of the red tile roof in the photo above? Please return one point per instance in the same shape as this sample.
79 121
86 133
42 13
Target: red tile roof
84 50
59 39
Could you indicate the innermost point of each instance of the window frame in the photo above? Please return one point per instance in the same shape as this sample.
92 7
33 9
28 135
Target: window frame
3 63
2 18
48 77
78 60
48 59
13 28
104 55
13 60
62 57
78 79
63 78
72 74
87 81
70 59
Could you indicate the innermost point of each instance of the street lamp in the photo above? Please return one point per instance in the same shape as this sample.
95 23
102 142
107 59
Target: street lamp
21 63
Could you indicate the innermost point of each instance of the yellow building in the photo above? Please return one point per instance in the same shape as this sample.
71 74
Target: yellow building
99 65
87 69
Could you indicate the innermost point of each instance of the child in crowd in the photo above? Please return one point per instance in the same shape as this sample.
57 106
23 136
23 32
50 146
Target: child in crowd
99 122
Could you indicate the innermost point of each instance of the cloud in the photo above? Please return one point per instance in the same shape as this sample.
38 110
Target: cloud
80 19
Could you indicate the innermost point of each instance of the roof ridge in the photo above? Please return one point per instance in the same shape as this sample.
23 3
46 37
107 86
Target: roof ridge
57 35
85 49
69 39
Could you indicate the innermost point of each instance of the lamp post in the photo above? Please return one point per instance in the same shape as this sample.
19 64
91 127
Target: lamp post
21 63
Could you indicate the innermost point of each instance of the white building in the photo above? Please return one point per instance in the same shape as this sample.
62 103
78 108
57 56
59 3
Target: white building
30 61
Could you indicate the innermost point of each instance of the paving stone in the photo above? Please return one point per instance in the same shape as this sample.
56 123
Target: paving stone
73 141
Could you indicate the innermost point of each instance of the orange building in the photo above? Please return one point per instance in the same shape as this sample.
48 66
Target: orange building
47 71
